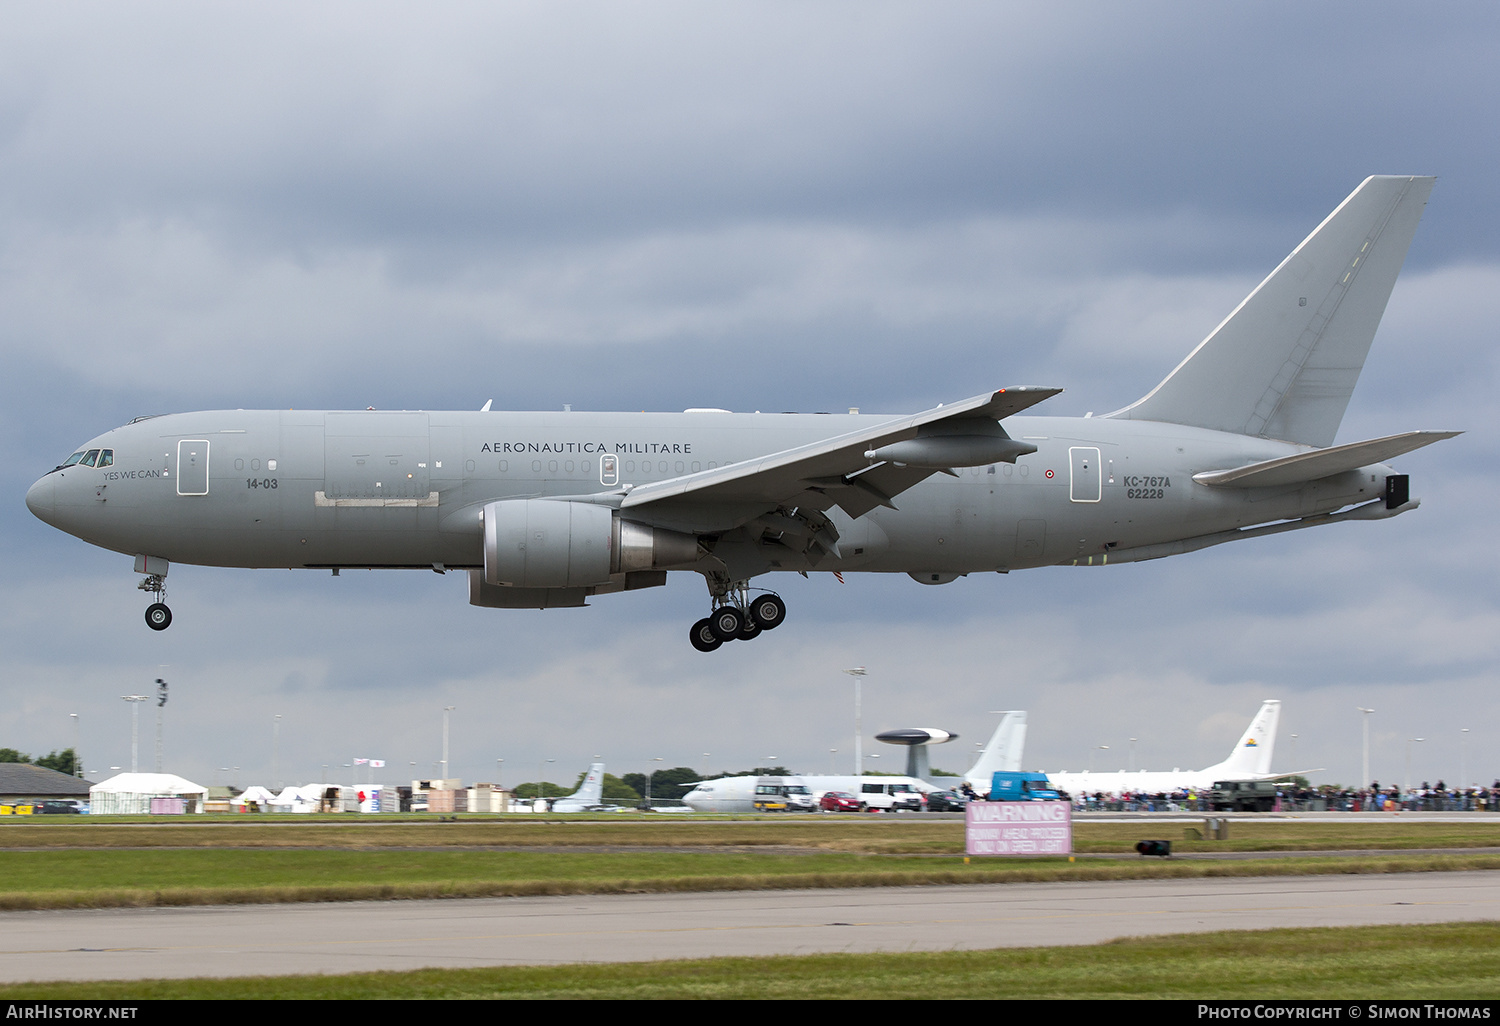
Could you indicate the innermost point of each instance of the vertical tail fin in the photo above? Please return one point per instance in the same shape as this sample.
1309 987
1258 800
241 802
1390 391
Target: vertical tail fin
1251 756
592 788
1285 362
1003 753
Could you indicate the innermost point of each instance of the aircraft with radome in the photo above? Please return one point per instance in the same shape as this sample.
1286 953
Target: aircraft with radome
549 509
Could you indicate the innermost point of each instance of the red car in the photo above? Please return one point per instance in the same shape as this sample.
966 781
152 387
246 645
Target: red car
839 801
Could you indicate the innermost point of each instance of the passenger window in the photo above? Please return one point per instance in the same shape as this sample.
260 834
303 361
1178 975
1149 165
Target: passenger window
91 458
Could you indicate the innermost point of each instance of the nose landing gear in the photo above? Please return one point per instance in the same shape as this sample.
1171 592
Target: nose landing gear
158 616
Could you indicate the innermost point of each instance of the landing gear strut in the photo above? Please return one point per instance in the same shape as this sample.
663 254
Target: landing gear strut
158 616
736 617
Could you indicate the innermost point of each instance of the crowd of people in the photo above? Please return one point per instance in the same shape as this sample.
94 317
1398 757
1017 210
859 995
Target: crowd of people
1327 798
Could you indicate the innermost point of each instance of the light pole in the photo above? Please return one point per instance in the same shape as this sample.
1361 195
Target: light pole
1409 741
1463 757
1365 765
77 758
541 790
161 701
276 751
858 673
135 720
1132 755
446 710
1096 748
649 777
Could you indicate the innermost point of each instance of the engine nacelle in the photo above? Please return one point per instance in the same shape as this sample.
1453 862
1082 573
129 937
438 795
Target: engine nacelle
542 543
552 543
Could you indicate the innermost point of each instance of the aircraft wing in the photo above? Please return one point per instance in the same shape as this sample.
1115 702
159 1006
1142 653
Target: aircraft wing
836 471
1320 463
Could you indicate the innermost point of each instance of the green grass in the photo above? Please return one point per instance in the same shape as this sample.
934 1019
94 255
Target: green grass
127 878
870 834
1456 961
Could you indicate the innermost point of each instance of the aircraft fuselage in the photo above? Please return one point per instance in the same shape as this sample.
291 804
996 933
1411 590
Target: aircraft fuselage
407 489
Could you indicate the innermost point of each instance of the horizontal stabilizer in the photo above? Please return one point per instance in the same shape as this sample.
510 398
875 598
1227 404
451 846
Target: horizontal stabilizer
1320 463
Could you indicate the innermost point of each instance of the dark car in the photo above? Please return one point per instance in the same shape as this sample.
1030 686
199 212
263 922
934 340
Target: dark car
58 805
946 801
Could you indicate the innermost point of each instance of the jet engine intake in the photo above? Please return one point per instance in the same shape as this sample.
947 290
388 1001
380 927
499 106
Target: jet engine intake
553 543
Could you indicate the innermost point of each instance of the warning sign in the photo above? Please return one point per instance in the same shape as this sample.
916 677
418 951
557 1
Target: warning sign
1019 828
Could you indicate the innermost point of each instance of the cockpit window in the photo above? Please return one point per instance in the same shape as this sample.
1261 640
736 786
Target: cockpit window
106 457
91 458
73 459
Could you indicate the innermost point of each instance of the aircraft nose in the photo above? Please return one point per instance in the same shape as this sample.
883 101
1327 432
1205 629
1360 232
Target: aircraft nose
41 498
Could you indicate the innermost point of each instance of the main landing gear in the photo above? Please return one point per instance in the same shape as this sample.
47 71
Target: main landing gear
737 618
158 616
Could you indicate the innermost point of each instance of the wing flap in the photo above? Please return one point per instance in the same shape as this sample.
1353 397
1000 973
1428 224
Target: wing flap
1316 464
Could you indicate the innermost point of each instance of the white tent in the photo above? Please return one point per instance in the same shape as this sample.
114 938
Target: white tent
132 793
298 799
256 794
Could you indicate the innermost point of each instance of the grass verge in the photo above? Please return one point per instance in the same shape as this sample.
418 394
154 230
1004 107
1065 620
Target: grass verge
104 879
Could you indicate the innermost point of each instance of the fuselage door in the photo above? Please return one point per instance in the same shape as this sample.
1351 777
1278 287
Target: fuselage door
192 466
609 470
1087 482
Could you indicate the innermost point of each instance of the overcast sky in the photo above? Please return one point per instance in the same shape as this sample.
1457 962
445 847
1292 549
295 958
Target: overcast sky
778 206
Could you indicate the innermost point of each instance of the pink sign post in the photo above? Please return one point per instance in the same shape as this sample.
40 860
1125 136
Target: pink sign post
1018 828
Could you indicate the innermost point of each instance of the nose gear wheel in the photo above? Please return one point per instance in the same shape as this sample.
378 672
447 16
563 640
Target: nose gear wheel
158 616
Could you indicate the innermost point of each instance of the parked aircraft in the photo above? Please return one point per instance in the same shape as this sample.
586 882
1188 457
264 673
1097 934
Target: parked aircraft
548 509
590 795
1249 759
1003 753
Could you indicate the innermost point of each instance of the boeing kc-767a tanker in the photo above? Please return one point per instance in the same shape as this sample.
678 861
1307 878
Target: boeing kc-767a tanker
549 509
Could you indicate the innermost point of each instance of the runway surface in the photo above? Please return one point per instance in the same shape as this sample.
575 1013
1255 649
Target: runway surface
257 940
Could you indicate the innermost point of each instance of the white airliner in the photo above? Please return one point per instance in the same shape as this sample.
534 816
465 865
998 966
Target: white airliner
738 794
1249 759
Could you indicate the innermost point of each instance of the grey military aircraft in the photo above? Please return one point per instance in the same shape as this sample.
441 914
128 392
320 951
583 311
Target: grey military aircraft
548 509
